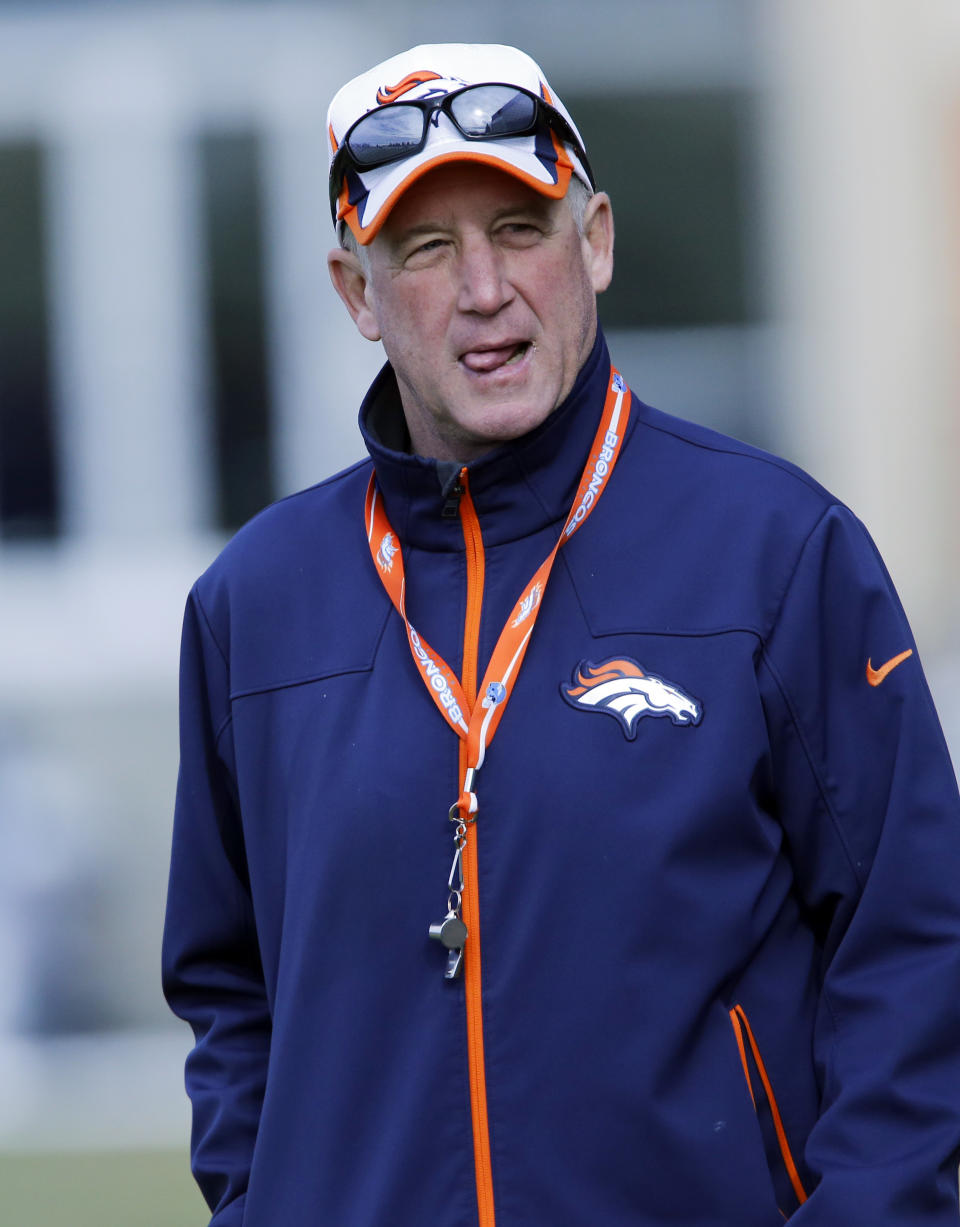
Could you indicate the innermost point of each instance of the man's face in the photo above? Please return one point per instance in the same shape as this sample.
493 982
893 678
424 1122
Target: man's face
484 295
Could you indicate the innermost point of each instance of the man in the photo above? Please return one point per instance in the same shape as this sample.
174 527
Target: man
684 948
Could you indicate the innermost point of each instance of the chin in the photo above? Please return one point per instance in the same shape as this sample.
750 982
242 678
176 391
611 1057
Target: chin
502 426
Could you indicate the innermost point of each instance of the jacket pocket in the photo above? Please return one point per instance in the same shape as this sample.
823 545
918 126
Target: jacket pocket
783 1169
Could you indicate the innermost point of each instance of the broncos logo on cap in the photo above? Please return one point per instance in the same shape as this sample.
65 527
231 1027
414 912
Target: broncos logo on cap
390 93
624 690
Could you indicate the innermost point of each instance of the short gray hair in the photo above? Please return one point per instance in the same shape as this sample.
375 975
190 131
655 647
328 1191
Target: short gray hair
577 198
348 241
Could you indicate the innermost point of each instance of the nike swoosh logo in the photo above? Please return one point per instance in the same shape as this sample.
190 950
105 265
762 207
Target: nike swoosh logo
876 676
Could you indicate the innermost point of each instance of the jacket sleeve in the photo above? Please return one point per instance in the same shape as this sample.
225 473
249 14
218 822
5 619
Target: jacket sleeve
869 804
212 974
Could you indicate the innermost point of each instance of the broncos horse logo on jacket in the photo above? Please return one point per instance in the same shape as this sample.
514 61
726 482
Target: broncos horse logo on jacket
622 689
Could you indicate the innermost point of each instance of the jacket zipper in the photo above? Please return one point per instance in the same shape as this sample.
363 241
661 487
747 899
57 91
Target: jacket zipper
471 908
742 1028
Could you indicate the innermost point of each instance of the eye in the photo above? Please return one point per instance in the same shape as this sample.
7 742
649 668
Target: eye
432 245
520 233
425 251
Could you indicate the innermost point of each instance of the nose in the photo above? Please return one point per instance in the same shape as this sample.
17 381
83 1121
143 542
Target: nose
484 284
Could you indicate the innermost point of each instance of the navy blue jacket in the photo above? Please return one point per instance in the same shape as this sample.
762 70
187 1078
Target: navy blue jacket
720 932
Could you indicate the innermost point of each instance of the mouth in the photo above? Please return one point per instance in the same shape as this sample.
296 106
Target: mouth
487 360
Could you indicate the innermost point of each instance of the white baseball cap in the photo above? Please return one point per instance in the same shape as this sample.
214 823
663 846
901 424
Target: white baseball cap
370 172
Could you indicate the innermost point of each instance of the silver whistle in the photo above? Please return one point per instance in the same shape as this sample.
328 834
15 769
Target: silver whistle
451 932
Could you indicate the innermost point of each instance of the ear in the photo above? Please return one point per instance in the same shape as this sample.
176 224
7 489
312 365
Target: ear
353 285
597 240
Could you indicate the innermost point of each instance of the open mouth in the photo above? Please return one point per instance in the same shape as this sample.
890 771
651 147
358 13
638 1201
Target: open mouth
484 361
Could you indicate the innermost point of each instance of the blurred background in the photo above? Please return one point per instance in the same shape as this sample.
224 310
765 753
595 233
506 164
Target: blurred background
786 183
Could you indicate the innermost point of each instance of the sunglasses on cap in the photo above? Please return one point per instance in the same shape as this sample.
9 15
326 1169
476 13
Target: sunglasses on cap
487 112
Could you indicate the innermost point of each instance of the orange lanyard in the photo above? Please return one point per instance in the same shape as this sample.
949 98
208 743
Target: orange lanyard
477 724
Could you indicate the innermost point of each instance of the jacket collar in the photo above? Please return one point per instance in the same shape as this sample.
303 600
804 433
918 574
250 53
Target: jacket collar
518 489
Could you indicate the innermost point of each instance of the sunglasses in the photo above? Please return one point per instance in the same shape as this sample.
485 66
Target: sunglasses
488 112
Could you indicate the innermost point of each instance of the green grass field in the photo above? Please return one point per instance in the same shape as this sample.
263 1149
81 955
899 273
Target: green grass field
99 1189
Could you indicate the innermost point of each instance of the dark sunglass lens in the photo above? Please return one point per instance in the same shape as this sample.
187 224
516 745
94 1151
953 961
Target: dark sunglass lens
393 132
493 111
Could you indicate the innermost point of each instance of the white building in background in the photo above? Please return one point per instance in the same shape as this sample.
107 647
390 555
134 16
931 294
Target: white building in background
861 146
855 166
